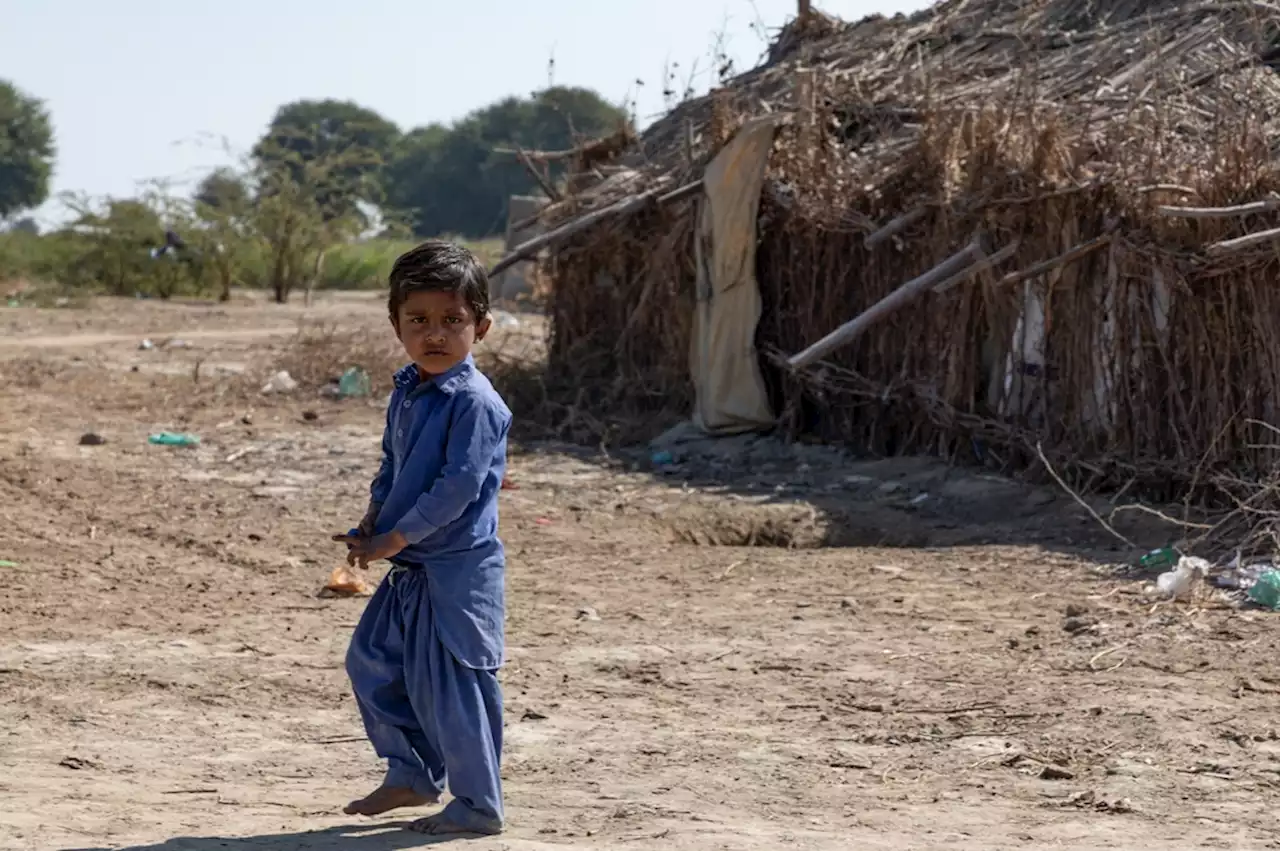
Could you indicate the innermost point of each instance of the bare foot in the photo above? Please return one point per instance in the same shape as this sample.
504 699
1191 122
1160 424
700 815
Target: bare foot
386 798
438 825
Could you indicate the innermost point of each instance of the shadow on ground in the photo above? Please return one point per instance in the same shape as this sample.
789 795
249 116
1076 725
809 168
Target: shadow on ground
764 491
388 836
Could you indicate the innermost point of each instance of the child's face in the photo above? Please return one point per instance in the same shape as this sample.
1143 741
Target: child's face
438 329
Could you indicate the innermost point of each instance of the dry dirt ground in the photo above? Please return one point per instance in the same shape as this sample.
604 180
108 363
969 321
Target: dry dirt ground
742 649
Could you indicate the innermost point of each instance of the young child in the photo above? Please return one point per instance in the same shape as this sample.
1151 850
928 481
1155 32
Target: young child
424 658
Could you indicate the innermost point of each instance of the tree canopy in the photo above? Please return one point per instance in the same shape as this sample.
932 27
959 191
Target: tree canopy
451 179
222 189
353 141
26 151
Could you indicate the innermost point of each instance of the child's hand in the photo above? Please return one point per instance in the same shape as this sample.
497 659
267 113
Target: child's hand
362 550
366 525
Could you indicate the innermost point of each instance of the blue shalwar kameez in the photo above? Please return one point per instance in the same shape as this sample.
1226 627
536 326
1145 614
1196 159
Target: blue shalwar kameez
424 658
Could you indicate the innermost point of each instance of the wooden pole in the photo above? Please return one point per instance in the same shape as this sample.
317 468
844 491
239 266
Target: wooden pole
803 9
623 207
903 295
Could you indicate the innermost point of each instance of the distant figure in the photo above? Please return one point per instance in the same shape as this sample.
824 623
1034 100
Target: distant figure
172 245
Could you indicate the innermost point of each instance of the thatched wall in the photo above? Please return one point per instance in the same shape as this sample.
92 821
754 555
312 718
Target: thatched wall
1157 353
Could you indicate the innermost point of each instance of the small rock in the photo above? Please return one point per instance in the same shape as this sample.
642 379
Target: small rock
1033 630
1075 610
532 715
588 614
1075 625
310 416
91 439
146 346
75 763
1056 772
247 419
848 603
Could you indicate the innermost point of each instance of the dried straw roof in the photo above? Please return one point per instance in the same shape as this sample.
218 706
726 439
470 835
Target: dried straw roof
1136 91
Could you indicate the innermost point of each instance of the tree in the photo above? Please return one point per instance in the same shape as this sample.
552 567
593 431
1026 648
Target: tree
26 151
308 131
451 179
222 189
295 221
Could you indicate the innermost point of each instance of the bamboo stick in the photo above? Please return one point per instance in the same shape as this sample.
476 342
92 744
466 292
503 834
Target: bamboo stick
1265 206
895 226
903 295
984 262
542 181
1052 263
1227 246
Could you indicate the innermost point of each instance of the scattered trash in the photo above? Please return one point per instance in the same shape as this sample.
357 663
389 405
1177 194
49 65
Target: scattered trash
505 320
1266 591
310 416
354 382
542 521
1159 558
61 301
919 499
91 439
281 382
1177 583
168 438
177 344
6 563
586 613
508 485
343 582
146 346
662 457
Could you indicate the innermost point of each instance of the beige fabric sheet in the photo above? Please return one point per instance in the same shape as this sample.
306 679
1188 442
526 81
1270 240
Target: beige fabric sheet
730 392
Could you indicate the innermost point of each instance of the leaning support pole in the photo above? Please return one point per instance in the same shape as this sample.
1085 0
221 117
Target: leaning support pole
904 294
623 207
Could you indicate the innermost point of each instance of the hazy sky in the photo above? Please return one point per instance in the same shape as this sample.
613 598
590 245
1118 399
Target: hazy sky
142 89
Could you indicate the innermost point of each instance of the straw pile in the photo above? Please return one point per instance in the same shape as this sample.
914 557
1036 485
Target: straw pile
1073 137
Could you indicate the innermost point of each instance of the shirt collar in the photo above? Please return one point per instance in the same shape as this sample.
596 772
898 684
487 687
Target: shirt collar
447 382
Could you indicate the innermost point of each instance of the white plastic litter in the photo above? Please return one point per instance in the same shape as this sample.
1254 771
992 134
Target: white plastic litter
281 382
1179 582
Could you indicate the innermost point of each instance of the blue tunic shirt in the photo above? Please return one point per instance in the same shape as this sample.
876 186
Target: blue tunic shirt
444 453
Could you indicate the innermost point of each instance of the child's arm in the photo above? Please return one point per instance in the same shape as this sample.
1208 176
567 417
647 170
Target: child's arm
380 488
475 433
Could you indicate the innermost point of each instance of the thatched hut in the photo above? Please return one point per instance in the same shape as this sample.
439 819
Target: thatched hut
1099 172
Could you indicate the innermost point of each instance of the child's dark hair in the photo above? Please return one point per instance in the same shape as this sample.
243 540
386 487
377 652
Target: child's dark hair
439 266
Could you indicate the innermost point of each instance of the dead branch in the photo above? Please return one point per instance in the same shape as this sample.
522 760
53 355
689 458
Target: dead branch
621 208
542 181
1054 262
984 263
1228 246
1267 206
895 226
